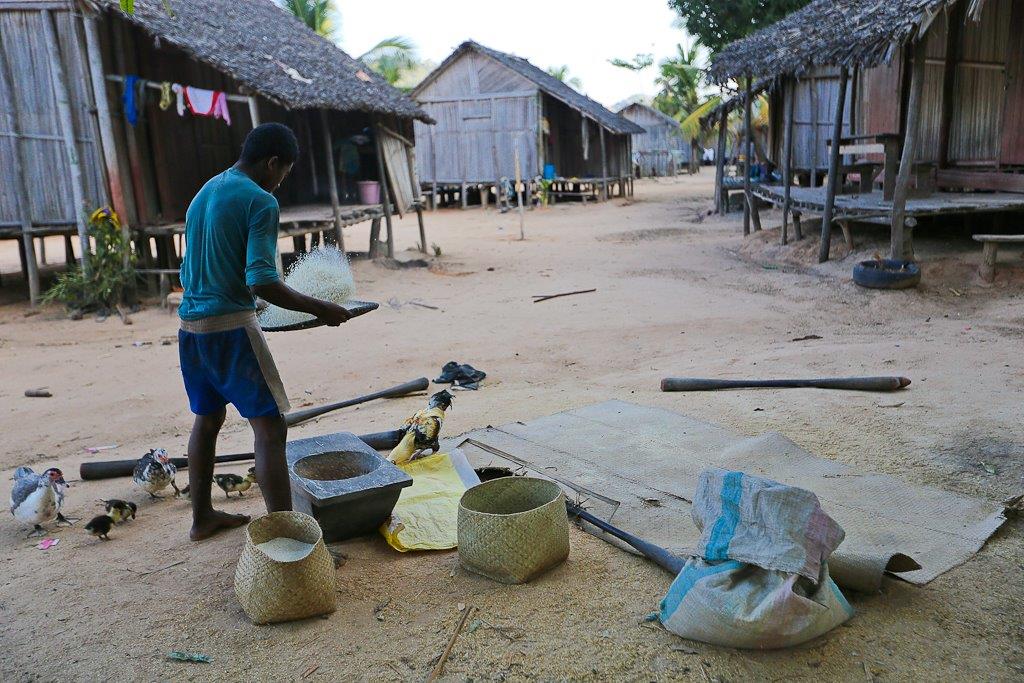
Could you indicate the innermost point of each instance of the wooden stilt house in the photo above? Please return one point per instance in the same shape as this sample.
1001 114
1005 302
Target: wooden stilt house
925 99
660 150
492 108
138 111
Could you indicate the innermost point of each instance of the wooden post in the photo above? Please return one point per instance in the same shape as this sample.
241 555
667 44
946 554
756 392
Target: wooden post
254 111
60 93
816 138
789 93
747 192
899 247
18 173
954 22
118 197
332 179
519 193
385 193
604 163
833 168
723 130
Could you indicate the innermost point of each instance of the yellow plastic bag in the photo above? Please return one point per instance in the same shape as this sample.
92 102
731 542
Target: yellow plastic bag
426 516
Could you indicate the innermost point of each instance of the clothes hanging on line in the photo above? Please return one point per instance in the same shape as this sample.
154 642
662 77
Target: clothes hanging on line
165 95
208 103
129 99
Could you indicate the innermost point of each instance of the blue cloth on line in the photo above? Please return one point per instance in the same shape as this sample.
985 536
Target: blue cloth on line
131 106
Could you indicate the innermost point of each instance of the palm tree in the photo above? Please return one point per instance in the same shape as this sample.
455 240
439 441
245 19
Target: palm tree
316 14
391 58
562 74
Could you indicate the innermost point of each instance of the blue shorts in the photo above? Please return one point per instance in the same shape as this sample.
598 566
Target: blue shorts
225 359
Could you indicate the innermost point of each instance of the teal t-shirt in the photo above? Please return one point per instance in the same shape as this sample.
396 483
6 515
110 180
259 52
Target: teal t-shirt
230 245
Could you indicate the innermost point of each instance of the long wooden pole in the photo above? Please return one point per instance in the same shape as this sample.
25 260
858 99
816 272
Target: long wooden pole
723 130
604 162
898 248
385 191
107 140
21 178
789 93
747 192
60 93
833 168
332 178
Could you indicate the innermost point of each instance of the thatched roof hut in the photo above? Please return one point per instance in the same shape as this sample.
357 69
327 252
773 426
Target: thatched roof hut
660 150
490 104
270 52
924 97
70 143
830 32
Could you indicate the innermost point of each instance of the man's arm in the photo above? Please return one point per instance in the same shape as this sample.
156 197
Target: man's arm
280 294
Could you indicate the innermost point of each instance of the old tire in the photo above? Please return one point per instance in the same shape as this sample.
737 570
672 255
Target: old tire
887 274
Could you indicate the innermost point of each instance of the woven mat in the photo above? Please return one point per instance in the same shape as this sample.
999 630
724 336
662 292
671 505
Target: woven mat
648 460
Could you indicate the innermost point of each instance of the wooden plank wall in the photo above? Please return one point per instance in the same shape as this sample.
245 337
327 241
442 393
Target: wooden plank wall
1012 151
816 98
661 149
48 172
484 111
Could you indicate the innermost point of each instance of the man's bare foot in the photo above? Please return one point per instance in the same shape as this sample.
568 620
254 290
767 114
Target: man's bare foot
216 521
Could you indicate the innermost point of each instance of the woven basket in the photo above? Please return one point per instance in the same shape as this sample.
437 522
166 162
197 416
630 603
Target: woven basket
513 529
271 590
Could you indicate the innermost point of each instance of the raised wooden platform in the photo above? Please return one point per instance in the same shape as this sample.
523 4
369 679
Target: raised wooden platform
295 220
812 199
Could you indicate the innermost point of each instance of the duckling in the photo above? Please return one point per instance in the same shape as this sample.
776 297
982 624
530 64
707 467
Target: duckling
36 499
120 510
100 526
230 483
422 429
154 471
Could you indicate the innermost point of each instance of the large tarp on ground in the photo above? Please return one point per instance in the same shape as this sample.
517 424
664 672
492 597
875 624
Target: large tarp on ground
647 460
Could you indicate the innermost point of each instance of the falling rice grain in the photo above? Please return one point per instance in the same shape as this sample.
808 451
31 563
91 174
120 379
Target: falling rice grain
323 273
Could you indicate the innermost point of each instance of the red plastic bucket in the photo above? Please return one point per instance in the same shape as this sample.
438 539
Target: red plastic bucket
369 192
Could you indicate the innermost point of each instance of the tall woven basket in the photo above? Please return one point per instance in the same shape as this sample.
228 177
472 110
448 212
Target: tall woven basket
271 590
513 529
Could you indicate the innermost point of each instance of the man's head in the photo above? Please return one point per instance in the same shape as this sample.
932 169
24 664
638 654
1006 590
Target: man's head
268 154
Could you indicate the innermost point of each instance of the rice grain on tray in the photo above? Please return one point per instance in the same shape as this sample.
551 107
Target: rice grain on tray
323 273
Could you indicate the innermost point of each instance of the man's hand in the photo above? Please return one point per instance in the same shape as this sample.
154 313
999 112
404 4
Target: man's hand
280 294
332 314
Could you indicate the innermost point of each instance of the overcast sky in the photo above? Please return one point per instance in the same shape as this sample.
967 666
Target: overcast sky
548 33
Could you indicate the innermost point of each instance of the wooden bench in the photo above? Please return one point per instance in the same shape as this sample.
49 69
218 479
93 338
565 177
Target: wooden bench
990 248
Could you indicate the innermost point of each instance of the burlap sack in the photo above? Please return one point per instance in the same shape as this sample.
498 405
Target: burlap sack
270 590
513 529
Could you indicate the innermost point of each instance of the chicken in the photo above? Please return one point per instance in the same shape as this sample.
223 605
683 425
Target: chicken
120 510
154 471
231 483
36 499
422 429
100 526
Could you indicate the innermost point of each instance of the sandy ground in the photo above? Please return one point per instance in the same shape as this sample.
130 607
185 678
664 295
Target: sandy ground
677 295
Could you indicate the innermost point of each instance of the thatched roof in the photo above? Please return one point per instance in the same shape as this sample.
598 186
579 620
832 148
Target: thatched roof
669 121
269 51
546 82
830 32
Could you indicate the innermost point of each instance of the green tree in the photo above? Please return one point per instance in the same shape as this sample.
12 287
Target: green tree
562 74
319 15
716 23
392 57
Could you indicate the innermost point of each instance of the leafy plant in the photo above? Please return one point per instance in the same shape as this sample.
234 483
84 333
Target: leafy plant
716 24
545 191
562 74
318 15
104 281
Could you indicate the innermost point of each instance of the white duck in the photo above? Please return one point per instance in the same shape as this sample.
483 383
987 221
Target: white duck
154 471
36 499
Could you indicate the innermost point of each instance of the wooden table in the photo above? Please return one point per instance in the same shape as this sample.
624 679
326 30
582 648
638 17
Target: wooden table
886 144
